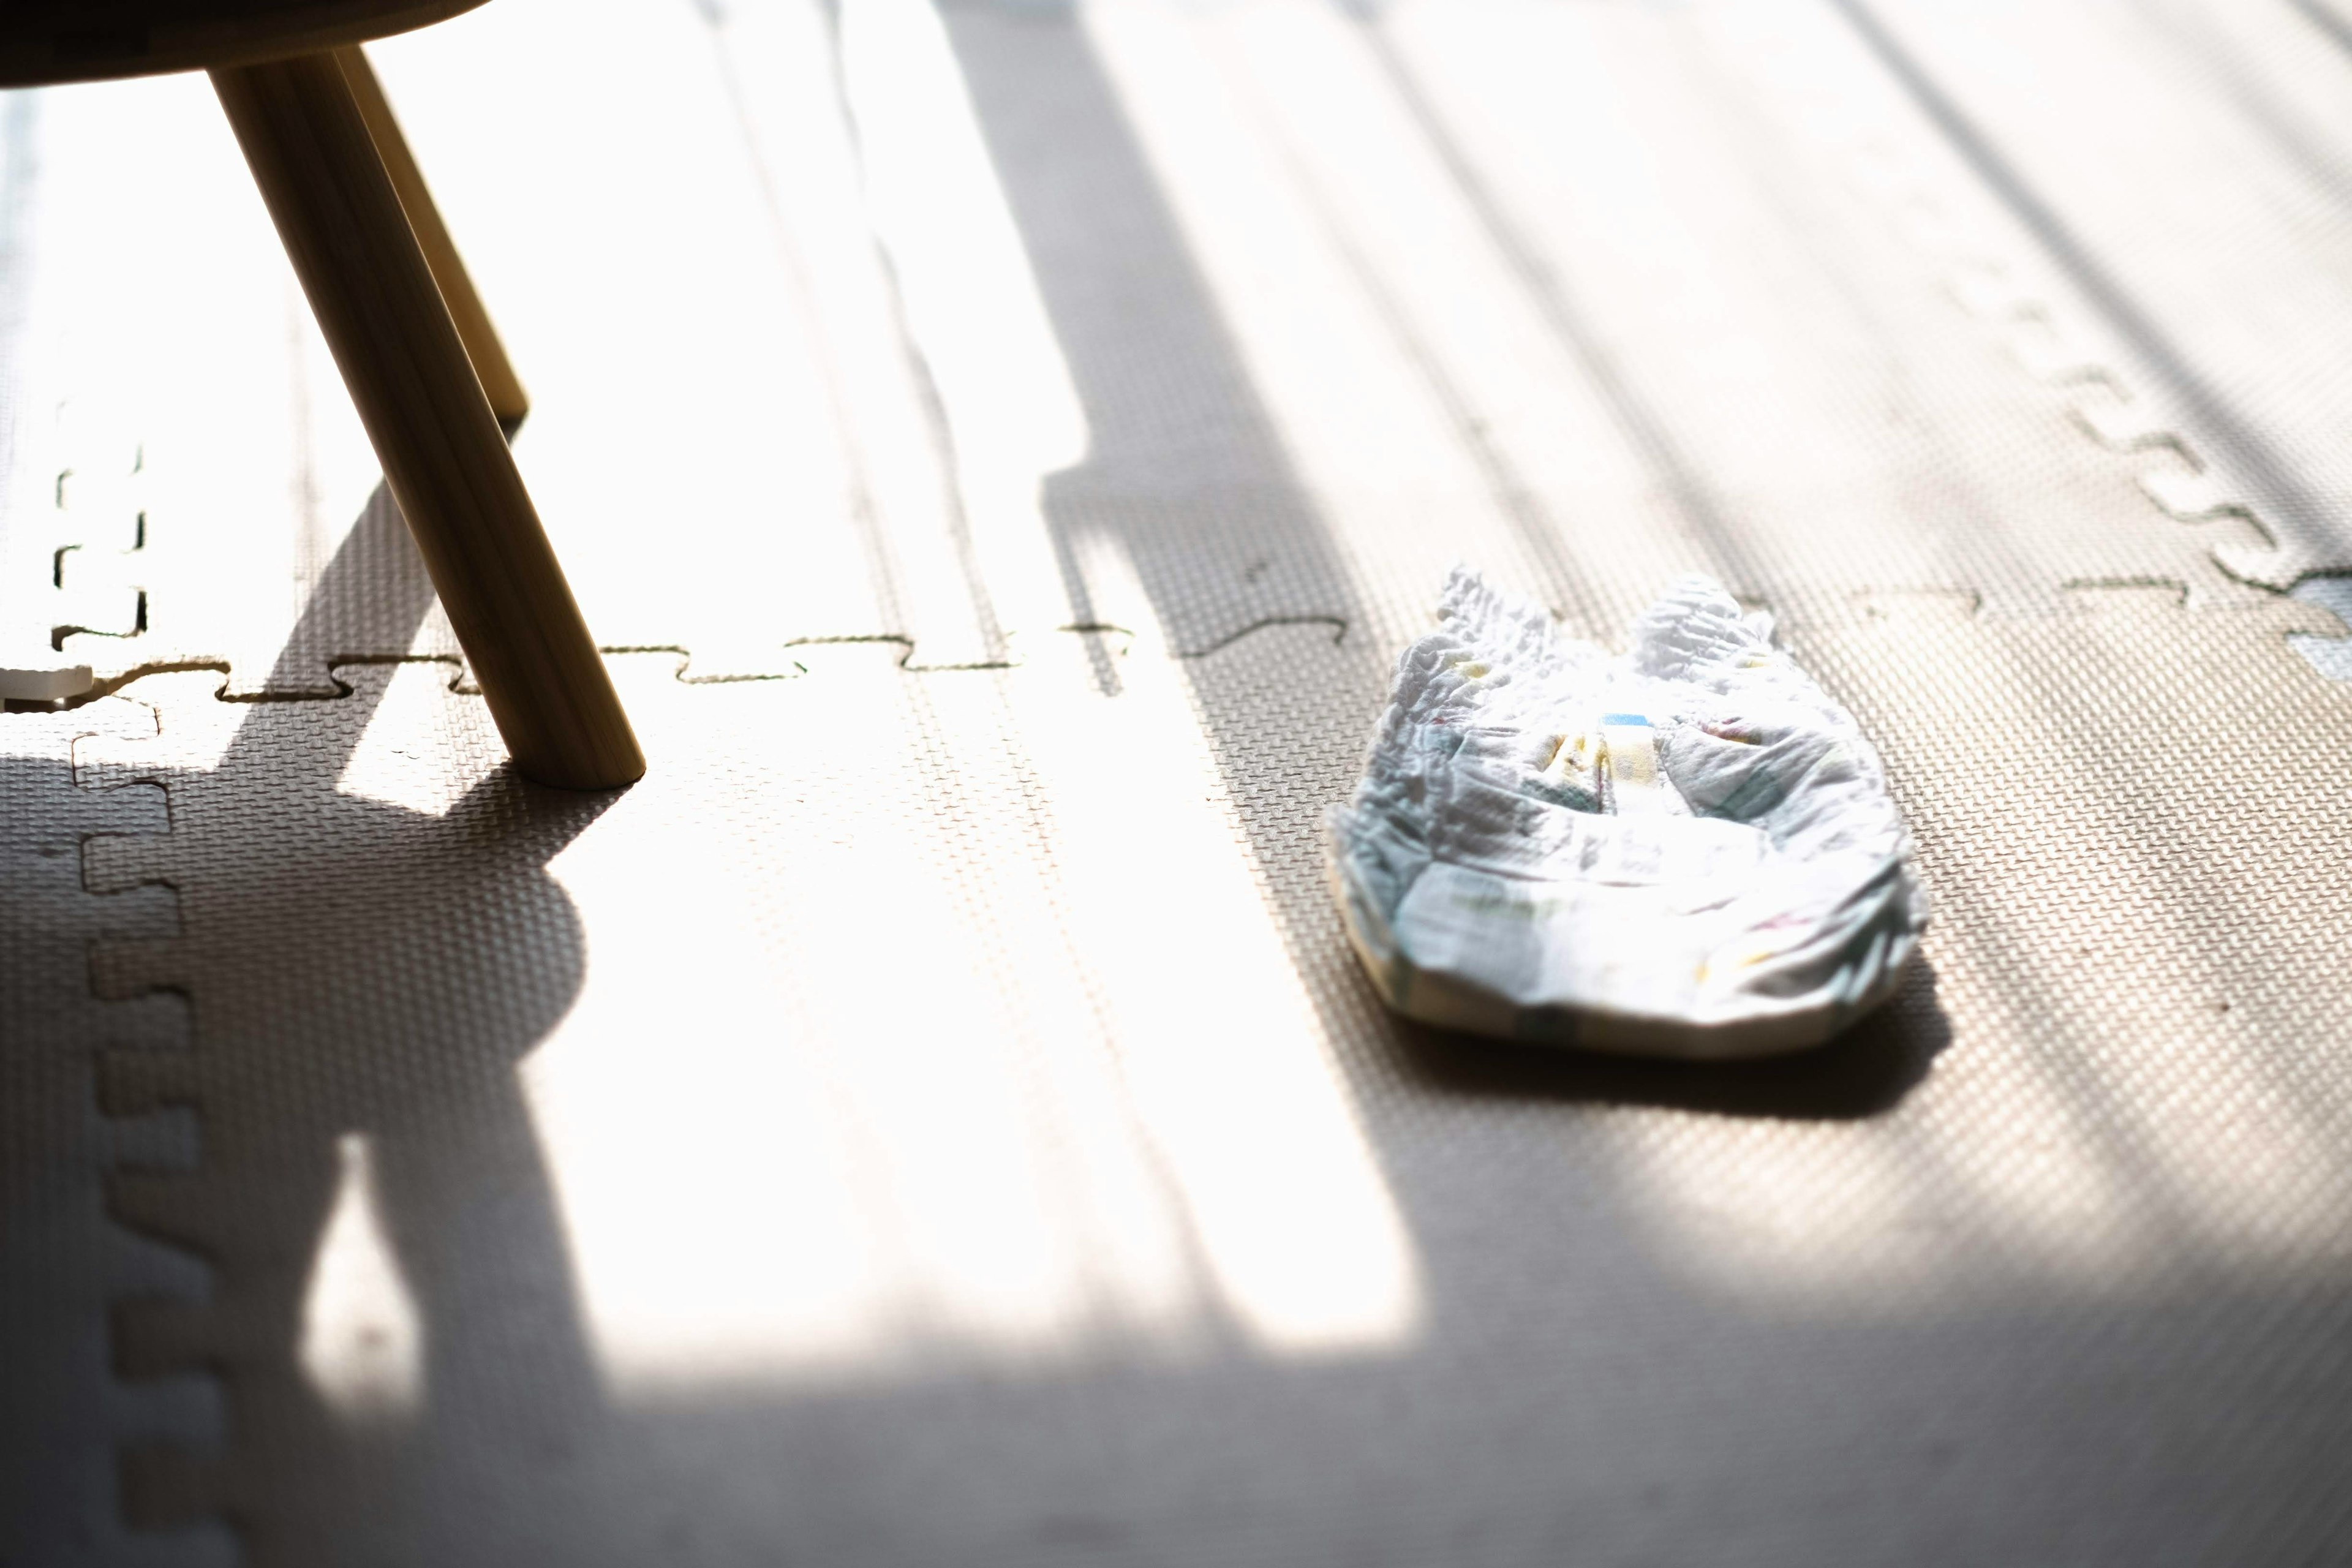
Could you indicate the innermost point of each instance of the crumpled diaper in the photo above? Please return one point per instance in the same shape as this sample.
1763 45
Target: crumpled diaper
1686 851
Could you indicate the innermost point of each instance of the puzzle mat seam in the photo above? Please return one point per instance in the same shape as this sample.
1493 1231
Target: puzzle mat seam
88 547
1869 602
2045 340
154 1137
173 1485
98 585
157 1478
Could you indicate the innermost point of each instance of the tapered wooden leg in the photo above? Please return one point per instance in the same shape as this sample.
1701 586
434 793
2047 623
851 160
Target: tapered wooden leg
499 384
384 319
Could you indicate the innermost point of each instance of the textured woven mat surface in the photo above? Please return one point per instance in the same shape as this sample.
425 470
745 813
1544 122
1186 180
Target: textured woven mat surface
935 1117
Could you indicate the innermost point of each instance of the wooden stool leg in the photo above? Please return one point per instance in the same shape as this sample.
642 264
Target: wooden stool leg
443 456
499 384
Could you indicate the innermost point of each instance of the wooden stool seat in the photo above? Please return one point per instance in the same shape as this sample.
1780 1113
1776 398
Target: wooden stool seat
44 42
415 349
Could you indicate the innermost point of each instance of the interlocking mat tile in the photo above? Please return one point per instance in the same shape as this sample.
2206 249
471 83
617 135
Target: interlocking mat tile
2180 168
937 1118
66 1414
957 326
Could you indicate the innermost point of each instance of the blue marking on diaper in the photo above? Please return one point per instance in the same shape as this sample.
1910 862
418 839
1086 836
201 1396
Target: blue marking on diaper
1624 718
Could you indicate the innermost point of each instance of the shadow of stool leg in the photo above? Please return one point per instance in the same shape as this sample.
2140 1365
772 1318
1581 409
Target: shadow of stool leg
447 462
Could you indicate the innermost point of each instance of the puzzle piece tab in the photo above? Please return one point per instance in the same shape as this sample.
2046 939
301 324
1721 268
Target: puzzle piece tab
68 1266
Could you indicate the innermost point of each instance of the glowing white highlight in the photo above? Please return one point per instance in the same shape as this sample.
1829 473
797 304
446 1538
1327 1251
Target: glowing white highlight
971 299
876 1097
1226 1063
361 1345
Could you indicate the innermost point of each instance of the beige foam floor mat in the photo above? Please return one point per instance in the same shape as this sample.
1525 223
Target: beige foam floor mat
934 1117
953 327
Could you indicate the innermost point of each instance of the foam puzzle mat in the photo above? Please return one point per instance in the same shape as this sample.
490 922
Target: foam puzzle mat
935 1117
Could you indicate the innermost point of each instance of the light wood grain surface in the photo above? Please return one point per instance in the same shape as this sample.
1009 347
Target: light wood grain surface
446 463
499 382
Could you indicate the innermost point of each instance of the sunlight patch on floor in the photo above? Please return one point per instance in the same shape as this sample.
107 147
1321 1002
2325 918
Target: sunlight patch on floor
361 1340
842 1098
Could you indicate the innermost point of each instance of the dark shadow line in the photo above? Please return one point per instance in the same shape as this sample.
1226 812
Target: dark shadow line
918 366
2236 436
1761 150
2324 20
863 510
2215 53
1643 425
1121 288
1511 492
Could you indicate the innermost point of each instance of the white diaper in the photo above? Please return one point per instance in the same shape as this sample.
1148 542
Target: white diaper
1687 851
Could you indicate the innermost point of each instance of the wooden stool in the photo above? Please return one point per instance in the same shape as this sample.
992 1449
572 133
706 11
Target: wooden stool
415 349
